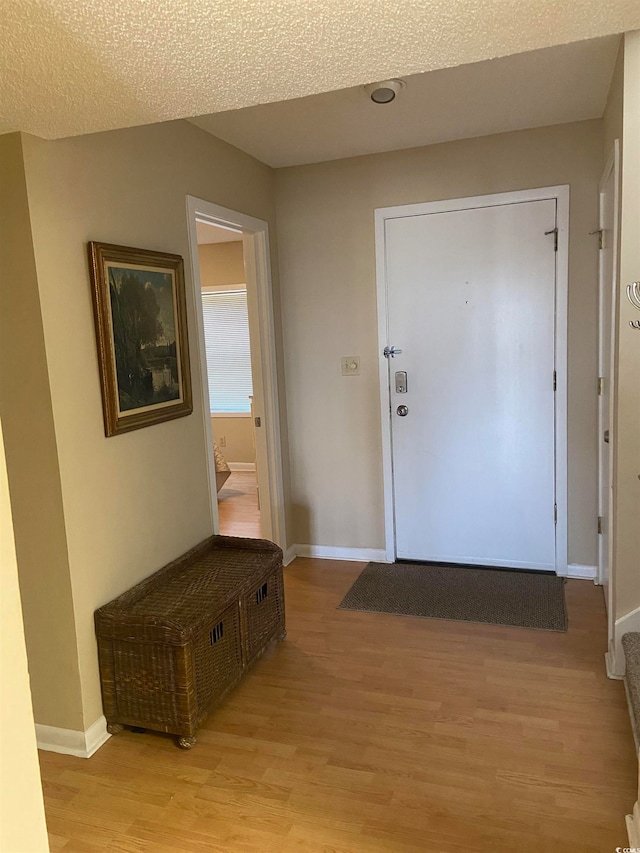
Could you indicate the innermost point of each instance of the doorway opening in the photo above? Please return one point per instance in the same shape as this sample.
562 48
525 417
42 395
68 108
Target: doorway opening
236 341
227 342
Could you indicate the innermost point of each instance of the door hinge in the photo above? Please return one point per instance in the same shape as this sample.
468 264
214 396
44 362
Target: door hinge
555 513
600 386
554 231
257 422
555 381
600 524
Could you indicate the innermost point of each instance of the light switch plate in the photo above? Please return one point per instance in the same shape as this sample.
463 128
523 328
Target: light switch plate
350 365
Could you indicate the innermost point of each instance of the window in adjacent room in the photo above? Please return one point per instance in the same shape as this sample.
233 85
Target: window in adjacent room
226 332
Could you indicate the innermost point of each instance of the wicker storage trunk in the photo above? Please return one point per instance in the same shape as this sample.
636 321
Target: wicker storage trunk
175 644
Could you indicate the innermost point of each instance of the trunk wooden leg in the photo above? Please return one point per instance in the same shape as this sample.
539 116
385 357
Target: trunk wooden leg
187 742
114 728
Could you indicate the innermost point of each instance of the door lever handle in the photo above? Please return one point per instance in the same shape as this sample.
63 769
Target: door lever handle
391 352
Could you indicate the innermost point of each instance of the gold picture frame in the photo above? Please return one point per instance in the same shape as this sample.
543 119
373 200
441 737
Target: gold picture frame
141 330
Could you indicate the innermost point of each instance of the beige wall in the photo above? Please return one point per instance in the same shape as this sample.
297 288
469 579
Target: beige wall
237 434
328 290
221 264
612 118
134 501
627 424
32 461
22 823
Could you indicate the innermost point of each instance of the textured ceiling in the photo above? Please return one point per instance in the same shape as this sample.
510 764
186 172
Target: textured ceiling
76 66
533 89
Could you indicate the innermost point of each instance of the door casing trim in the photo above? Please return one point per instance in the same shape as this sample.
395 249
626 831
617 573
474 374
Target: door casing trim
561 196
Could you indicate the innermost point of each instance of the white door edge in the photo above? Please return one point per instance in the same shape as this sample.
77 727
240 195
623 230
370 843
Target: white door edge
612 167
561 195
255 239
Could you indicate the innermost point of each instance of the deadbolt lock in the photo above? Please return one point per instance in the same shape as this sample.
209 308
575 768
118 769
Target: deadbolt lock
401 382
403 411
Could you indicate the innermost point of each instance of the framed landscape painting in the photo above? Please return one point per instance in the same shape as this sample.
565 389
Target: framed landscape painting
141 330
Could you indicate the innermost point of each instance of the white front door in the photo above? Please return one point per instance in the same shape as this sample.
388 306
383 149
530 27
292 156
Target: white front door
470 300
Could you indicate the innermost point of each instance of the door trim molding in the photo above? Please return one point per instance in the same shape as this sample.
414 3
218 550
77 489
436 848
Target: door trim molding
255 240
560 194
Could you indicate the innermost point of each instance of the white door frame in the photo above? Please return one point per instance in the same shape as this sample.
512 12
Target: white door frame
561 195
255 243
607 290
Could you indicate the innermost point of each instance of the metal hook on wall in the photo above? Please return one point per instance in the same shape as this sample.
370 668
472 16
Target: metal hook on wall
633 295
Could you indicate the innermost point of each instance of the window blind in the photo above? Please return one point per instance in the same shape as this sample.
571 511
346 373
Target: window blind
226 333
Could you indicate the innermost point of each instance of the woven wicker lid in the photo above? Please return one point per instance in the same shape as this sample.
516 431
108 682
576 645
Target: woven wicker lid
180 598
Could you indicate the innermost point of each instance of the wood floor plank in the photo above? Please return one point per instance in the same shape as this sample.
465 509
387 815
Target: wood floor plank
238 512
371 733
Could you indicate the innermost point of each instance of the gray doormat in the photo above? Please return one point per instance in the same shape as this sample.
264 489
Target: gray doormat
501 597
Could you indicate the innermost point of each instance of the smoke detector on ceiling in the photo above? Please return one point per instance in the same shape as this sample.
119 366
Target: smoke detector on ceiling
385 91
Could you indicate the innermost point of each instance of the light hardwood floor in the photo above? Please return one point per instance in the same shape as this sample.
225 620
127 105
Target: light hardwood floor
368 733
238 512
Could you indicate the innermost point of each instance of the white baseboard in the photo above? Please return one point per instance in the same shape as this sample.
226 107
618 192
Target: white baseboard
615 655
70 742
610 665
633 827
289 555
331 552
242 466
577 570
